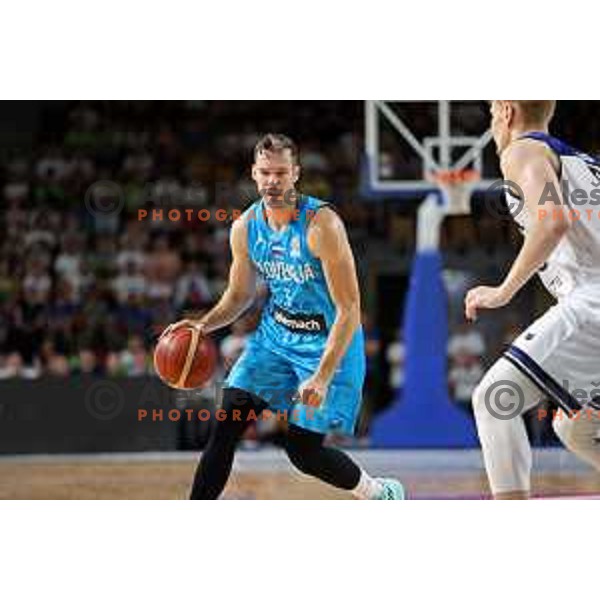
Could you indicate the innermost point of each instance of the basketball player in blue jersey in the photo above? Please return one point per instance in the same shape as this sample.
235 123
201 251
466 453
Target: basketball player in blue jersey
558 352
306 359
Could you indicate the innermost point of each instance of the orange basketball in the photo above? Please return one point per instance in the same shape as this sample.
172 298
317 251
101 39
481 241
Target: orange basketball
184 359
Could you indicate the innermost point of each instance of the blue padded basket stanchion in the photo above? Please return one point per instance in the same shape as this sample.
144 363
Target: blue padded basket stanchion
424 416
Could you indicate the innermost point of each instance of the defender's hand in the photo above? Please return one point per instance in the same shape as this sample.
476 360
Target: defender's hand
483 297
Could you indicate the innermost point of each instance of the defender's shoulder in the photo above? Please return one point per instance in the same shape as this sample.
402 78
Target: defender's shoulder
526 152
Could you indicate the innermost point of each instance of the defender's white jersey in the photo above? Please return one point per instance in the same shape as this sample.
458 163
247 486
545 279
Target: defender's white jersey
575 262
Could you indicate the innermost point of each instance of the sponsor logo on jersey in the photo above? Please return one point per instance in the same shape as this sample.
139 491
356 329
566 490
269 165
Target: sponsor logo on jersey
595 169
299 323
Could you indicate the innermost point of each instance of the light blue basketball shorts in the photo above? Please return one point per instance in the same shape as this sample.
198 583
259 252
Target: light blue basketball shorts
275 379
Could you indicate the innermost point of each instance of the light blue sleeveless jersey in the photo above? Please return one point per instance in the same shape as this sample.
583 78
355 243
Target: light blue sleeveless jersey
288 344
299 311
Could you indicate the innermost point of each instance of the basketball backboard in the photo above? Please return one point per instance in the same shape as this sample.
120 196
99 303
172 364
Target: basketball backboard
407 143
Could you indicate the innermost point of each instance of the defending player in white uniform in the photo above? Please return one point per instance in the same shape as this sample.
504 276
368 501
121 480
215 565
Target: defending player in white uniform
559 354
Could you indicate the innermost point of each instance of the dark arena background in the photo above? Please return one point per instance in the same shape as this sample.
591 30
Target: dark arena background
114 223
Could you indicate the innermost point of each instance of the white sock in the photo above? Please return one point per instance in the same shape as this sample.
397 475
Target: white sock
367 488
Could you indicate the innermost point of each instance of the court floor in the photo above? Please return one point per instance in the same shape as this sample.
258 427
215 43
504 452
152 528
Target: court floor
266 474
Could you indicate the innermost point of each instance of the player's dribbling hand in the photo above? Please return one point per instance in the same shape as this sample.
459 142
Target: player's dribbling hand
483 297
312 392
183 323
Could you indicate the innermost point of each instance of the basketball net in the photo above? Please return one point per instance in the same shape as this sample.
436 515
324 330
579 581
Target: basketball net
456 186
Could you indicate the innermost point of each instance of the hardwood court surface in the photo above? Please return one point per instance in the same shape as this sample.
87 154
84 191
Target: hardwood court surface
266 475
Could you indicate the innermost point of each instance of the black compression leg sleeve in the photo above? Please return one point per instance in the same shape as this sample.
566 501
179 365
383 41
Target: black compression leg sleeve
215 464
307 453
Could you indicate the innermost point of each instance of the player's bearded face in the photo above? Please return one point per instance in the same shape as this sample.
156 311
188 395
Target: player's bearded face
501 112
275 175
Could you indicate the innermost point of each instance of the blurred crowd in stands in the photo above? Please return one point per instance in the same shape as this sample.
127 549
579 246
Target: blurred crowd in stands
85 285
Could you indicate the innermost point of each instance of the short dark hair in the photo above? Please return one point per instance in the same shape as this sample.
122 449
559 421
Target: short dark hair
536 112
276 142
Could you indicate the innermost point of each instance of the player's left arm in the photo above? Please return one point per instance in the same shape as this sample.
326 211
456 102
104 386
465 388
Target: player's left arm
532 167
328 241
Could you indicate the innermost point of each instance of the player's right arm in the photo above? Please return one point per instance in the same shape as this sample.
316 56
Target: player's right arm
241 287
531 165
533 168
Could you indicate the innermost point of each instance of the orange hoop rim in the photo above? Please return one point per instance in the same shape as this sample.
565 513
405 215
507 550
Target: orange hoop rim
454 176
